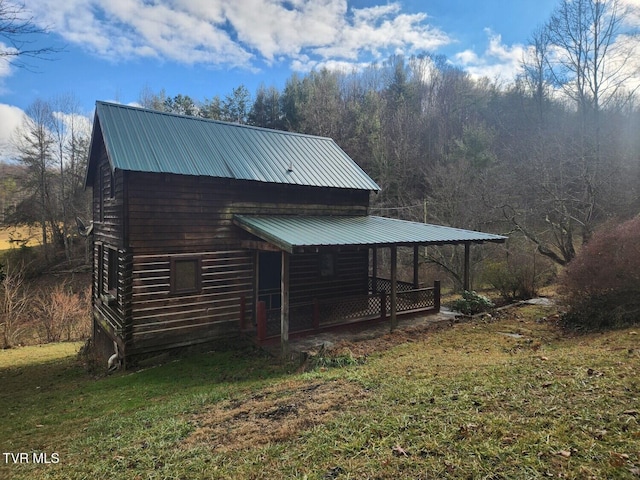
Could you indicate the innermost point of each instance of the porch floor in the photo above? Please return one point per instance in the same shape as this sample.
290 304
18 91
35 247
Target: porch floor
311 343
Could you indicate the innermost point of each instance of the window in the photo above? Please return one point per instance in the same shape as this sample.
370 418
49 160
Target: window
327 264
100 194
107 275
186 275
100 262
112 185
106 188
112 271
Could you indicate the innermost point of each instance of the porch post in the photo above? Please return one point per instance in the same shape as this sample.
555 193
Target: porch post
374 268
467 261
284 305
255 287
416 271
394 286
436 295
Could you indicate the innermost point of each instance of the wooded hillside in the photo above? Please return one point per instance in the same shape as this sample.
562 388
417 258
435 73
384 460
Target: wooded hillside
523 159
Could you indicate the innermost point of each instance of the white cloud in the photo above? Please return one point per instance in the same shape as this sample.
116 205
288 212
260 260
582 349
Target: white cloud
497 62
5 61
10 118
6 67
80 123
632 12
240 33
377 30
467 57
503 62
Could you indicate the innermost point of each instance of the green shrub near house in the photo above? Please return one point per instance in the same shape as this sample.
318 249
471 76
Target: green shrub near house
472 303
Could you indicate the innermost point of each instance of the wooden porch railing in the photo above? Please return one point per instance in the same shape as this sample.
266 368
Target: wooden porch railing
327 313
377 285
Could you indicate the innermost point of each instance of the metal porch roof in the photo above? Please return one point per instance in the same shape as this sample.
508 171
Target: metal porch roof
143 140
290 233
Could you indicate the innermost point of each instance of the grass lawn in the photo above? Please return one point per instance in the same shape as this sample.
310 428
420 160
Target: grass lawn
509 398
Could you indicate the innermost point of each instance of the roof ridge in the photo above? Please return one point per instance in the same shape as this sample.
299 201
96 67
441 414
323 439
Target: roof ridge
211 120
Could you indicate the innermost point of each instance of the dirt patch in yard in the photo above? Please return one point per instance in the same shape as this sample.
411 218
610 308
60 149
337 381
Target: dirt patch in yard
273 415
360 348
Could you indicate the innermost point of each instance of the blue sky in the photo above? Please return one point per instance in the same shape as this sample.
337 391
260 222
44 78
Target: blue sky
203 48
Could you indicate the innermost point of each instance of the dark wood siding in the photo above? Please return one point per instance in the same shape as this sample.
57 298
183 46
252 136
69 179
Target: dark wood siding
154 218
176 213
108 235
160 319
350 276
111 308
108 205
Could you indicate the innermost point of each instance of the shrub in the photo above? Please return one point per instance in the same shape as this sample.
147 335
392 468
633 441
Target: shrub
521 274
14 301
613 309
472 303
62 314
602 283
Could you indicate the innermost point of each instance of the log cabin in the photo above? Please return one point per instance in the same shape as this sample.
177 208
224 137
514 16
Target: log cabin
206 230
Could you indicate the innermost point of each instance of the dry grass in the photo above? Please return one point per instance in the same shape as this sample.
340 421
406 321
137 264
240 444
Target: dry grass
272 415
14 237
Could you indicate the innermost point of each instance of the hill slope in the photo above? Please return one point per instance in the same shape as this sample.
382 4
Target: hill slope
506 398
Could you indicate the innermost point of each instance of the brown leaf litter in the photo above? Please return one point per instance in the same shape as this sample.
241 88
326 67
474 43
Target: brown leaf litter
273 415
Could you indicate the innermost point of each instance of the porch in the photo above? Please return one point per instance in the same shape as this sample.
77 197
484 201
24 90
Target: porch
324 237
320 315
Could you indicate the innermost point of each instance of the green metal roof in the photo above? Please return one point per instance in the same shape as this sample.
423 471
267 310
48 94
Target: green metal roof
291 233
149 141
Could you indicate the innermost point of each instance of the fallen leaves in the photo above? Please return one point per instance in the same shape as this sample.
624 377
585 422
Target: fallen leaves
618 459
398 451
276 414
465 431
600 434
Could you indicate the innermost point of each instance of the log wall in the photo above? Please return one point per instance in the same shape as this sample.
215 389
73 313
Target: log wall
153 218
178 213
161 319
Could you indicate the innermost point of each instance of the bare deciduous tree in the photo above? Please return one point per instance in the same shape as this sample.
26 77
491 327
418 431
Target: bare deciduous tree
70 155
52 145
593 51
19 32
14 300
34 143
585 51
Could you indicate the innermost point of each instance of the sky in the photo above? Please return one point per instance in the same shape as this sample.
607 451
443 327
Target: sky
114 49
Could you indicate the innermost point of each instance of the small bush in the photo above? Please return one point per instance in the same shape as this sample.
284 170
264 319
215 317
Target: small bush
602 283
472 303
62 314
14 302
614 309
521 273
